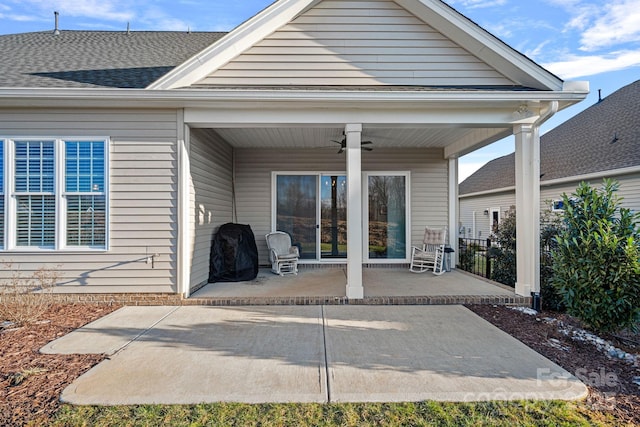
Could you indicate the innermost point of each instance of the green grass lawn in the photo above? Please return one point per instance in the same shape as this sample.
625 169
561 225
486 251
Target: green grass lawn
429 413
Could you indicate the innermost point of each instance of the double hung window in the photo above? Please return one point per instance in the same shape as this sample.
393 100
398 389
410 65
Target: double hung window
53 194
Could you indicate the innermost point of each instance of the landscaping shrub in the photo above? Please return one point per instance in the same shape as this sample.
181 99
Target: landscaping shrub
503 253
467 257
504 256
550 227
23 299
596 265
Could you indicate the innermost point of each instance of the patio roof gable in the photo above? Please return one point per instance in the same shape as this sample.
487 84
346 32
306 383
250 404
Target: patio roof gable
363 43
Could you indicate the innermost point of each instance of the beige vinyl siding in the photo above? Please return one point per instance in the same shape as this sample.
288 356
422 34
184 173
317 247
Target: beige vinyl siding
478 204
142 197
211 160
362 42
254 169
629 190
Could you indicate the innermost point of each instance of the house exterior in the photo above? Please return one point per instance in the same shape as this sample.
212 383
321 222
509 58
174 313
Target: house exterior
123 152
603 141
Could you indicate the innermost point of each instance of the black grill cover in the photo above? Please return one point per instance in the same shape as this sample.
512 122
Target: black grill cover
234 255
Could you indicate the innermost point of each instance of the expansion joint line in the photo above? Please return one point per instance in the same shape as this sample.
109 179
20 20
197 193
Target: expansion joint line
326 359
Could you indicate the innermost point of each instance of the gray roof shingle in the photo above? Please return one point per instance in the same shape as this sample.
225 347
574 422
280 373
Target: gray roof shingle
95 58
603 137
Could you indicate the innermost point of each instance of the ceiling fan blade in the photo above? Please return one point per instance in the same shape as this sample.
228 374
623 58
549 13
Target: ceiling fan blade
367 148
366 142
337 142
341 150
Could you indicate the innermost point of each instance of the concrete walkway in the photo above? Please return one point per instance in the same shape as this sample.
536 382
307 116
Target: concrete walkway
188 355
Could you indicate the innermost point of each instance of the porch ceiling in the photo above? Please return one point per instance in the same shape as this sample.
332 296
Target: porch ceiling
321 137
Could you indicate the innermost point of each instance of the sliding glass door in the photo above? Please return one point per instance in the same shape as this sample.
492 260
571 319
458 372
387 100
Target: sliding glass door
333 217
312 208
387 216
296 211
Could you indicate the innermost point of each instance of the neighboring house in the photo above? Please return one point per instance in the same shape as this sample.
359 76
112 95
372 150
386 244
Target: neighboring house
603 141
122 152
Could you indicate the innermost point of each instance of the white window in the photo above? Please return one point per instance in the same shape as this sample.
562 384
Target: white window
34 193
494 220
85 193
2 213
55 192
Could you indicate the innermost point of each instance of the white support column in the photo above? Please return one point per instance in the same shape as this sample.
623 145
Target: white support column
453 210
527 138
184 235
355 289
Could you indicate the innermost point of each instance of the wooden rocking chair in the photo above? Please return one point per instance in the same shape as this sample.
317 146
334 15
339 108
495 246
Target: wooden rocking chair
431 255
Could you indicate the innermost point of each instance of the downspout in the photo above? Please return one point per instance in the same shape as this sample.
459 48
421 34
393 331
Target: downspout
234 208
546 114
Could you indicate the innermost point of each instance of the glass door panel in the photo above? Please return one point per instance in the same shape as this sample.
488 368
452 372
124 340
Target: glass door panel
333 217
387 217
296 211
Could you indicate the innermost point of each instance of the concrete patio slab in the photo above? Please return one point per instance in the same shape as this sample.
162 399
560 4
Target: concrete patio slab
110 333
206 354
308 282
446 353
319 354
332 282
395 281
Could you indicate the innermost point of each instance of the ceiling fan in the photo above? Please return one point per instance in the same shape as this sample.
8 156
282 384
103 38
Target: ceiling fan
343 145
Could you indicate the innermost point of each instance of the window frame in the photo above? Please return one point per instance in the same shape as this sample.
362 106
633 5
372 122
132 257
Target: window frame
60 195
3 191
365 213
365 217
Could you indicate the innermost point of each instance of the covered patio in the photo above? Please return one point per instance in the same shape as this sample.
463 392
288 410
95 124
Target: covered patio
347 137
381 286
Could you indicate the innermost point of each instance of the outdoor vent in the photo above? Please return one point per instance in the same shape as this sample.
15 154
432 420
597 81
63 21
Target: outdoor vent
56 30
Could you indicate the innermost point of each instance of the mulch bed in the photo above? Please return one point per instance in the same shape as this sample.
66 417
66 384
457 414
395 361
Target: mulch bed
609 380
31 383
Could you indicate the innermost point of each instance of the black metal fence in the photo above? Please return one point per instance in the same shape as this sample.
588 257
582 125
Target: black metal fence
473 256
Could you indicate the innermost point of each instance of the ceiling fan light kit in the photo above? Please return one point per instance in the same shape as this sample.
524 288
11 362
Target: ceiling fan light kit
343 145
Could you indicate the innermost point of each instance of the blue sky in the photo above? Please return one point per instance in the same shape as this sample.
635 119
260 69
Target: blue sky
594 40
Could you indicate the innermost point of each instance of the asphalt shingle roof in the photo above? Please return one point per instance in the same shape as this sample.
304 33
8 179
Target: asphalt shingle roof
603 137
95 58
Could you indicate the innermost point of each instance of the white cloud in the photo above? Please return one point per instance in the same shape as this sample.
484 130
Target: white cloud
7 13
618 23
159 20
580 19
538 50
477 4
141 14
500 30
17 17
582 66
113 10
602 24
465 170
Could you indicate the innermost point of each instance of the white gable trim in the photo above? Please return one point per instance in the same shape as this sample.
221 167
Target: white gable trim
233 44
433 12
